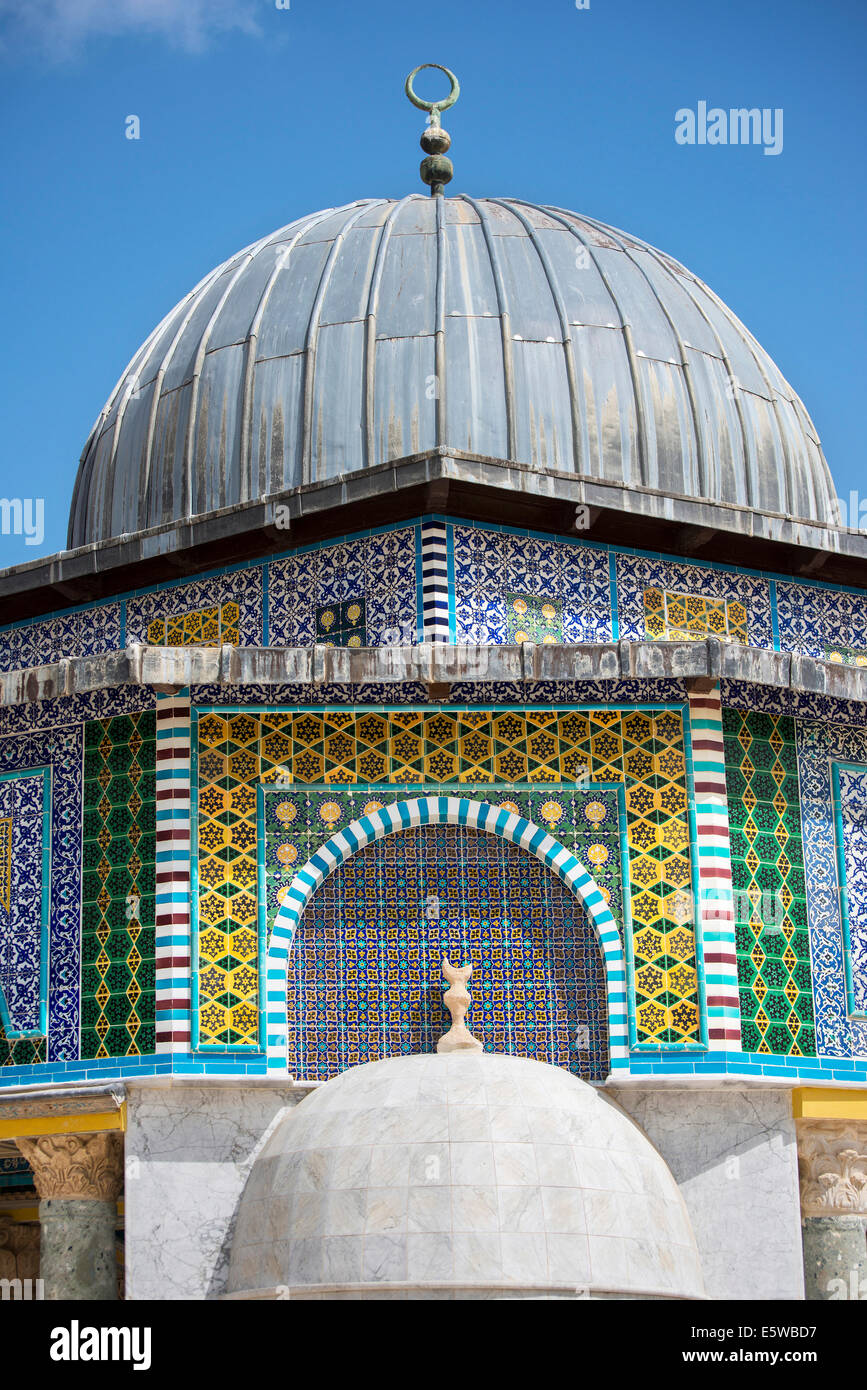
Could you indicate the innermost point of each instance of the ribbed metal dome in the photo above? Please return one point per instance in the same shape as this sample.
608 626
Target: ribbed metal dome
385 328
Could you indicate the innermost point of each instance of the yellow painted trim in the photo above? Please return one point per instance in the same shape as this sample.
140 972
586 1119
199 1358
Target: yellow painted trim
33 1127
20 1213
817 1103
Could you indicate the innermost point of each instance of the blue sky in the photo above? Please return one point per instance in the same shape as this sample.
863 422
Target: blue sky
252 115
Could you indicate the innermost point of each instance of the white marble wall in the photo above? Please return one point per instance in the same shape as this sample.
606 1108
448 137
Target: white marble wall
734 1156
188 1152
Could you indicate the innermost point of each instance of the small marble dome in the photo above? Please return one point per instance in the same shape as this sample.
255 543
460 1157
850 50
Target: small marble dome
461 1176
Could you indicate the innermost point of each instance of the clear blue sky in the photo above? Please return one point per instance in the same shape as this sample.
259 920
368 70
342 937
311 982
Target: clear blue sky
253 115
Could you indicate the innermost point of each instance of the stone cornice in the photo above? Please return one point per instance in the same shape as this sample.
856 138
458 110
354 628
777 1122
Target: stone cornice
436 665
445 481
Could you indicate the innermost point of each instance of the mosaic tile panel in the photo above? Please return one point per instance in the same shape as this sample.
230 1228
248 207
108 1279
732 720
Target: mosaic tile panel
201 612
342 624
644 750
24 870
531 619
811 618
50 639
773 947
61 751
673 617
493 567
636 574
365 977
845 656
119 853
819 747
377 572
850 797
200 627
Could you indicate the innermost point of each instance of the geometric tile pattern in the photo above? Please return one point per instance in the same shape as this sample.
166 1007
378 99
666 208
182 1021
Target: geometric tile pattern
200 627
686 584
643 750
673 617
493 568
61 751
226 607
365 978
24 871
376 571
850 786
820 746
768 874
811 618
117 975
45 640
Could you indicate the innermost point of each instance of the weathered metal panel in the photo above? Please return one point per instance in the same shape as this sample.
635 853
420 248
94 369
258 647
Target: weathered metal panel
275 424
639 306
671 461
405 396
609 439
287 315
338 403
217 441
543 413
585 297
719 429
474 395
407 296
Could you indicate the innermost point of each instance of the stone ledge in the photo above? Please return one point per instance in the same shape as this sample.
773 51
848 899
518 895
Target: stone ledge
168 669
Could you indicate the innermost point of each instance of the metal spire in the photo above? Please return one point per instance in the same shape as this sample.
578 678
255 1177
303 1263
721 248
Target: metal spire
436 169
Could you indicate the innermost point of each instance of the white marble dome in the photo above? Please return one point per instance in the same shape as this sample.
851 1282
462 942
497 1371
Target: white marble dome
461 1176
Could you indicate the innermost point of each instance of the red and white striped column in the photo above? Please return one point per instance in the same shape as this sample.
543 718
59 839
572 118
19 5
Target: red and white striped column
716 903
173 939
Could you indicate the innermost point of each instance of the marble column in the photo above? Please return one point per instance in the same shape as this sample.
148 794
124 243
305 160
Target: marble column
79 1179
832 1158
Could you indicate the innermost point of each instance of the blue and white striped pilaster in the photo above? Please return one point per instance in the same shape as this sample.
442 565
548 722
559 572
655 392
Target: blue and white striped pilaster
435 581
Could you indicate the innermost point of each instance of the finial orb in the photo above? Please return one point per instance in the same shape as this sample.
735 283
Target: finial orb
435 140
436 170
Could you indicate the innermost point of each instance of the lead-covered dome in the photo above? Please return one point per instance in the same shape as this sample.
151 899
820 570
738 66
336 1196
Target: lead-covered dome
492 326
461 1175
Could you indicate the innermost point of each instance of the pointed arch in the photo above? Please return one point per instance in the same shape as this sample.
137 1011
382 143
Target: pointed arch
438 810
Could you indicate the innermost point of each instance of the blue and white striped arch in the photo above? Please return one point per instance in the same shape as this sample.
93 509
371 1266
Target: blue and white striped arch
437 810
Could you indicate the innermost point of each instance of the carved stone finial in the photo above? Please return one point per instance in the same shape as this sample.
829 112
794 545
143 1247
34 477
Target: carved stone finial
457 1001
833 1167
78 1166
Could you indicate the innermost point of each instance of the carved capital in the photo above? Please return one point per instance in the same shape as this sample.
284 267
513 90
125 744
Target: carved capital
77 1166
832 1161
